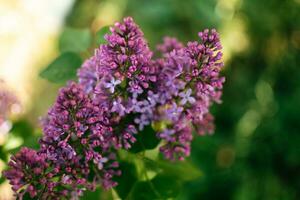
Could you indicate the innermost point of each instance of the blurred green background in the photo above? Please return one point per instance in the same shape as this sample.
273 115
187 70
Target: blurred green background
255 151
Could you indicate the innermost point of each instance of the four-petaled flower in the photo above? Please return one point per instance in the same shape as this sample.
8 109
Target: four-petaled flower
142 121
112 84
100 162
174 112
135 105
118 107
186 97
167 134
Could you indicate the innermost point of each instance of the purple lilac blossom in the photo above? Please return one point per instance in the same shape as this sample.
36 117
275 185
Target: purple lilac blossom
126 57
74 124
125 138
87 75
186 97
112 84
189 77
177 141
122 89
30 172
118 107
125 74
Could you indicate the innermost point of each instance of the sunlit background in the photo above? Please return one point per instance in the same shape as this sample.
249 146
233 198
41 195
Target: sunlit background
255 151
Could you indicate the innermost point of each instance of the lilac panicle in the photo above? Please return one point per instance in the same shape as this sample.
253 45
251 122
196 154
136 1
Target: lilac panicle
127 54
121 90
189 79
77 136
26 166
177 141
124 74
125 58
31 173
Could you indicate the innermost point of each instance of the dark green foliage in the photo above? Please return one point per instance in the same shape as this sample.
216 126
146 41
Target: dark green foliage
91 195
127 180
22 128
146 140
160 187
3 154
181 170
2 179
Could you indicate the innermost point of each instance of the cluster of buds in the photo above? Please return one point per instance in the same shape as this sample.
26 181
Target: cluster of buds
121 90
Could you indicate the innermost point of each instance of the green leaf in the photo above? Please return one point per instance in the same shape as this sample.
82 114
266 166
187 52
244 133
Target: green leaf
2 179
32 142
22 128
182 170
142 190
3 154
146 139
75 40
27 197
100 35
127 180
167 186
161 187
92 195
63 68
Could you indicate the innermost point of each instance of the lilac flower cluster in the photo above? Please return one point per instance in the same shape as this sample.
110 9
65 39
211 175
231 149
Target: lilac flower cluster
76 137
121 90
188 84
31 173
75 152
122 77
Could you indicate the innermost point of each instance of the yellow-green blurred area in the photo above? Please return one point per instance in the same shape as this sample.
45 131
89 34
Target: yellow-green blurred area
255 151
